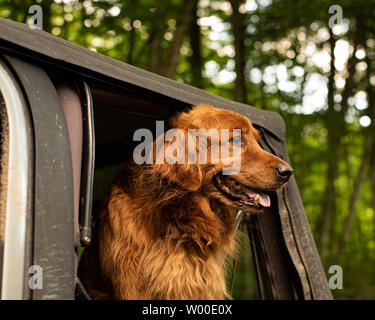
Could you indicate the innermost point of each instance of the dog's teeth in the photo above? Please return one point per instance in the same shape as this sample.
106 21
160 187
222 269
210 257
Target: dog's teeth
256 198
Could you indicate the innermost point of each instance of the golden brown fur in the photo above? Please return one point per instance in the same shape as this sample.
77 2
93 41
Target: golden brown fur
165 228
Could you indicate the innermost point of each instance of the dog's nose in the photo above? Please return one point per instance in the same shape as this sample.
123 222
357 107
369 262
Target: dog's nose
284 171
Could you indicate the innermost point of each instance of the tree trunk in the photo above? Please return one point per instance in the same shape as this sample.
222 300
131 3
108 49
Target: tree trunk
328 209
352 62
46 6
129 58
354 198
182 28
195 44
155 53
324 221
238 24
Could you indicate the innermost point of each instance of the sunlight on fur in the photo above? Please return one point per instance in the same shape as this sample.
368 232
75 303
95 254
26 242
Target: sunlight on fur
165 229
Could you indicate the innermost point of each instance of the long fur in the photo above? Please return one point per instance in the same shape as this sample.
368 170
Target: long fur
164 229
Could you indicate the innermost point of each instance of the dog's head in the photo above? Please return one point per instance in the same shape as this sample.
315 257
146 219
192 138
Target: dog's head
223 159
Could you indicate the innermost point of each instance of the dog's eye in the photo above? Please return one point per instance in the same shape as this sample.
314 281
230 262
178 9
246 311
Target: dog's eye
236 140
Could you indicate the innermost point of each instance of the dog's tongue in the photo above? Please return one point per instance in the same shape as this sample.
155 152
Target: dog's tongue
264 200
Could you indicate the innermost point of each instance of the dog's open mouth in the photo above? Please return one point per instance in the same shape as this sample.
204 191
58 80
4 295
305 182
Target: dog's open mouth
240 193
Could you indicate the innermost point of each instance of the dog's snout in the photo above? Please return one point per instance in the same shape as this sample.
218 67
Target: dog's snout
284 171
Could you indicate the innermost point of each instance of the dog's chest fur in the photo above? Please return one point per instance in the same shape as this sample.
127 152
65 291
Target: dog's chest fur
165 252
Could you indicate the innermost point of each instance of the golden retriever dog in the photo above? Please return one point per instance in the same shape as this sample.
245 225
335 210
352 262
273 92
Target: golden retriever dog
166 228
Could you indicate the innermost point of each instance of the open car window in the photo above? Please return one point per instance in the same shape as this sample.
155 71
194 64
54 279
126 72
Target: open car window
113 100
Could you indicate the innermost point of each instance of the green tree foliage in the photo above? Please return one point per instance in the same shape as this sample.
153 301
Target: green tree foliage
279 55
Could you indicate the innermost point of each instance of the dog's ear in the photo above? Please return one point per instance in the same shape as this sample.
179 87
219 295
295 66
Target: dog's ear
176 159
